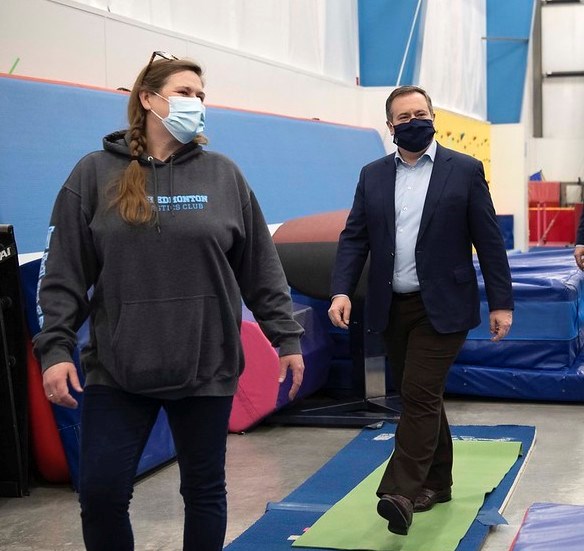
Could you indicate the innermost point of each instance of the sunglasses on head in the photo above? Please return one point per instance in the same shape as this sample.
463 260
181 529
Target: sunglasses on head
163 55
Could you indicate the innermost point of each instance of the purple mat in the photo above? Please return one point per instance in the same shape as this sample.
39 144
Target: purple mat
549 526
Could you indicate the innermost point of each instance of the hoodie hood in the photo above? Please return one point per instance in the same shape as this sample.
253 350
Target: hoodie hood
119 143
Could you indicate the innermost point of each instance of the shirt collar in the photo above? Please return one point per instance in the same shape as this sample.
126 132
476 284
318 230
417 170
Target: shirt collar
430 153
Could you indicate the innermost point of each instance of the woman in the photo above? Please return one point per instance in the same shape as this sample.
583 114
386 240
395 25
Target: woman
170 238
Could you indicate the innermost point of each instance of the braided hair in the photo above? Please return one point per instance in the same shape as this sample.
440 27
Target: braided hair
130 188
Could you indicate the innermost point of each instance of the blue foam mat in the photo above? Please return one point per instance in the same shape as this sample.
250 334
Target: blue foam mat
542 357
301 508
551 526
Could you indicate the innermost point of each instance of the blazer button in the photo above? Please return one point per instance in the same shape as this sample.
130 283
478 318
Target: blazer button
389 282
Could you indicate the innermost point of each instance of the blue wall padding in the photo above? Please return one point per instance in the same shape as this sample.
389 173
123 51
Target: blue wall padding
384 28
551 526
507 59
296 167
46 128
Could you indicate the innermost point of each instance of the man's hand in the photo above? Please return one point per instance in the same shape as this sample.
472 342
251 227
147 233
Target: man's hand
579 256
55 381
340 311
500 323
294 363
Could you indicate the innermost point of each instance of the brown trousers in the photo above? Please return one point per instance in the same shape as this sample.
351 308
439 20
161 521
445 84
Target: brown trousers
419 360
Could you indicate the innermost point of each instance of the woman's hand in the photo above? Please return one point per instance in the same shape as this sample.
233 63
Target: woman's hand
294 363
56 382
579 256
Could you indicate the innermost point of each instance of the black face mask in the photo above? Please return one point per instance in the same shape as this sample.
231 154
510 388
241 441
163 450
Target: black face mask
415 135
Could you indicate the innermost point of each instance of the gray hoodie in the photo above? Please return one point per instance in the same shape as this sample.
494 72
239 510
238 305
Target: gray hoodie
164 299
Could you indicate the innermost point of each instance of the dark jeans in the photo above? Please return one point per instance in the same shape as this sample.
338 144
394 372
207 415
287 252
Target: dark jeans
115 427
419 359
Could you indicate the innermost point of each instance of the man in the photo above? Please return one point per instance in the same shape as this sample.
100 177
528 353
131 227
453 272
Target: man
418 212
579 249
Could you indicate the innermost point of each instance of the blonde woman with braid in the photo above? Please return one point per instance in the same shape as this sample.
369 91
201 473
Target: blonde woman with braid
167 235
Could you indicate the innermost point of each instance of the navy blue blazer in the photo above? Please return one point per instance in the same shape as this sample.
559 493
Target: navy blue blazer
458 213
580 231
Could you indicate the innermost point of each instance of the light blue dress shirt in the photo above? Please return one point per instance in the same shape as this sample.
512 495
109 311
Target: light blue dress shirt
411 186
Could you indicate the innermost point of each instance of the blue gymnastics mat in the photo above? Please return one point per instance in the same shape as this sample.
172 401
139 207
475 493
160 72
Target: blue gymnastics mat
551 526
302 508
543 355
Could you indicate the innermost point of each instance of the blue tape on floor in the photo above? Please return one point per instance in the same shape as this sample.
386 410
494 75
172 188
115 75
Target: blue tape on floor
291 506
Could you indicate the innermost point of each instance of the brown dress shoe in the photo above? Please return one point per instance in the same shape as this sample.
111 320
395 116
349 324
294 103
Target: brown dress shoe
398 511
427 498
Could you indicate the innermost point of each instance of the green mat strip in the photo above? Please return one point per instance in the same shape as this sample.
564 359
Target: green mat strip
353 523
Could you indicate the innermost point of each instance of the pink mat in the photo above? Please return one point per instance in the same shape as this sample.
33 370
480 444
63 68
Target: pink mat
258 387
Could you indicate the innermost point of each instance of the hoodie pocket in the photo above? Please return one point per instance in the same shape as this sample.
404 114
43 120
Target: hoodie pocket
159 344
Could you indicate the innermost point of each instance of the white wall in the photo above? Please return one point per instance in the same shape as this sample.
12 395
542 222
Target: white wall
453 63
372 101
563 50
509 177
560 152
316 35
66 40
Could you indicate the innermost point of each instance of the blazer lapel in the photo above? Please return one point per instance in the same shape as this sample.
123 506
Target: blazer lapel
440 172
389 195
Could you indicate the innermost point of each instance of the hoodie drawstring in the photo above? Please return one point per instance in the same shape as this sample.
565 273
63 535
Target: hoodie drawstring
156 208
171 185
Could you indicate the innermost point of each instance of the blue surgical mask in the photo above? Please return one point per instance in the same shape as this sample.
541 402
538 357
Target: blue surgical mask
186 117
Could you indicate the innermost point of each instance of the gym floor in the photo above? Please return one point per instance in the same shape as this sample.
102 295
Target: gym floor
269 462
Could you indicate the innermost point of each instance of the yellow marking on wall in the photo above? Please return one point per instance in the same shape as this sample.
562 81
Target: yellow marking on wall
466 135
